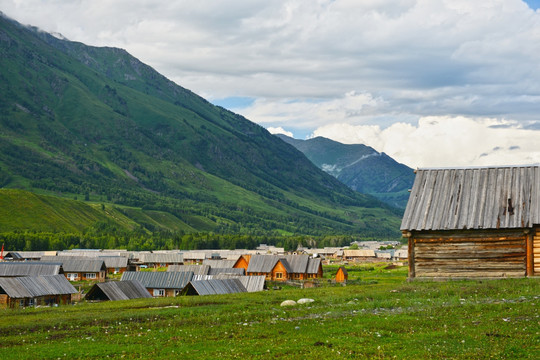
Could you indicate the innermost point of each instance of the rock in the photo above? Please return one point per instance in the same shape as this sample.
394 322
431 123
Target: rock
305 301
288 303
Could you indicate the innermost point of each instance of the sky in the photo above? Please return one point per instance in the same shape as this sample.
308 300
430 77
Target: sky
432 83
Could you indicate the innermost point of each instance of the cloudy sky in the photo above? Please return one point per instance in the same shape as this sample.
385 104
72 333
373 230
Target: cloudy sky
432 83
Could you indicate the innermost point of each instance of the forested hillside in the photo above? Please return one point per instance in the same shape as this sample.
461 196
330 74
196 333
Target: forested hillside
360 167
97 125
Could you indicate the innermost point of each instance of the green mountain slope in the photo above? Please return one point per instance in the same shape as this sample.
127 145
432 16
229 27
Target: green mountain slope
97 124
360 167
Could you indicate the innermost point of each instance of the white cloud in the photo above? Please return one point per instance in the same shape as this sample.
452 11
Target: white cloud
367 64
442 141
280 130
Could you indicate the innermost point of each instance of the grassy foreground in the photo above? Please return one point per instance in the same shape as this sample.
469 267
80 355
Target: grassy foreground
378 315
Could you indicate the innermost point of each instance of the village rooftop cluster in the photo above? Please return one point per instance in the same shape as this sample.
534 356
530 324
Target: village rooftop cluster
37 278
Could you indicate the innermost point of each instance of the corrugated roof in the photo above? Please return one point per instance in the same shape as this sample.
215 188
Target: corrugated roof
474 198
34 286
313 266
27 268
196 269
163 258
219 263
252 283
262 263
77 264
36 254
217 286
118 290
160 279
115 261
234 271
297 263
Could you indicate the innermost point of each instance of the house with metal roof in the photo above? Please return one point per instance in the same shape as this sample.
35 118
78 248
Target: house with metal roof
115 264
474 222
196 269
284 267
29 268
118 290
35 290
80 268
214 287
160 283
157 260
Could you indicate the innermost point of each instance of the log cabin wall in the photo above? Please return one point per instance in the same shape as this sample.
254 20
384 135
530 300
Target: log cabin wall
536 253
469 254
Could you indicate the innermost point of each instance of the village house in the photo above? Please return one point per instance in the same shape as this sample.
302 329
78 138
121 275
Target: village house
157 260
160 283
118 290
474 223
35 291
26 268
282 268
80 268
358 255
214 287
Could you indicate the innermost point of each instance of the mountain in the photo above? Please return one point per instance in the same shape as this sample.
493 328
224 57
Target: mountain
359 167
97 124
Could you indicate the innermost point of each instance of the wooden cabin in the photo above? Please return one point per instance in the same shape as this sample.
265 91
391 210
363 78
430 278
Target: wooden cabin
35 291
474 223
160 284
117 290
80 268
342 275
284 267
358 255
242 262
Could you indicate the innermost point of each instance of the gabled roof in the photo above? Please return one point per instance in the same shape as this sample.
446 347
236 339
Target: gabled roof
474 198
219 263
29 268
343 270
34 286
235 271
159 279
155 258
115 261
196 269
265 263
118 290
297 263
214 287
313 266
77 264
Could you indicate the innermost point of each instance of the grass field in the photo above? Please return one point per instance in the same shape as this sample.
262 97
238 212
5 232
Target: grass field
378 315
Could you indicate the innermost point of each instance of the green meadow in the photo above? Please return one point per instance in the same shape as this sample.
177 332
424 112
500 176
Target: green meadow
377 315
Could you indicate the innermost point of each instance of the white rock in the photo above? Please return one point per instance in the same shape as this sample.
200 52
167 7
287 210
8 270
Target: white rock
305 301
288 303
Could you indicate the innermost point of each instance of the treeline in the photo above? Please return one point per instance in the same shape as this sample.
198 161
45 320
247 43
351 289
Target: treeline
138 240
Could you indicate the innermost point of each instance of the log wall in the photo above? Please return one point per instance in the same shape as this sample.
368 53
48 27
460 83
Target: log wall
536 253
469 254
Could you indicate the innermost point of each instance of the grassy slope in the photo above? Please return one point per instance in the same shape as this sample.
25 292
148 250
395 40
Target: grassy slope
72 129
381 315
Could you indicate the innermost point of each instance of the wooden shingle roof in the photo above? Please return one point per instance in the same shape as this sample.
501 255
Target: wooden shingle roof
29 268
159 279
474 198
118 290
214 287
34 286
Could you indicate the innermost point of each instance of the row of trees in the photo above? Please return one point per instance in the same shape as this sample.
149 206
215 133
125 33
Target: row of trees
139 241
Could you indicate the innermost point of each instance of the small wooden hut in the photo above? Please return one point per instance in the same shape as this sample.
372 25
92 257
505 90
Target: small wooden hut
474 222
342 275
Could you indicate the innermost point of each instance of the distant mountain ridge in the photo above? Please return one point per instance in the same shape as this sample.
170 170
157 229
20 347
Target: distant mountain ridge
97 124
360 167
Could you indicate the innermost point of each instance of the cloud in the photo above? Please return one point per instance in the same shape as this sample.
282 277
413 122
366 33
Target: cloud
280 130
442 141
383 66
